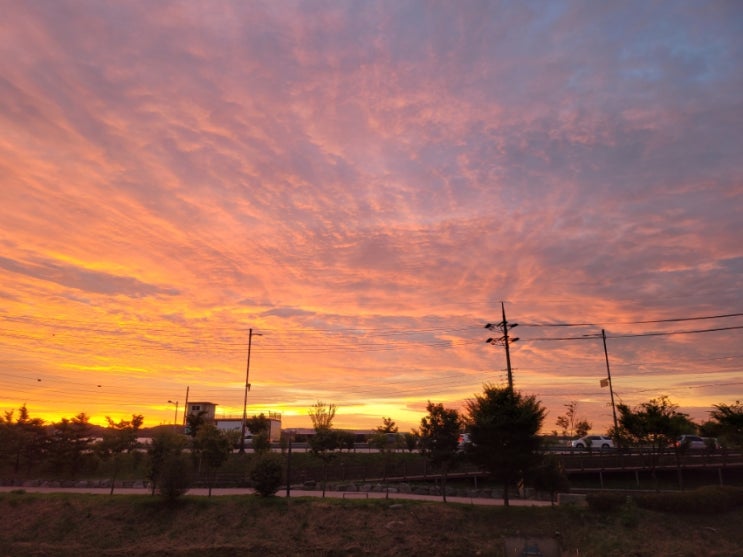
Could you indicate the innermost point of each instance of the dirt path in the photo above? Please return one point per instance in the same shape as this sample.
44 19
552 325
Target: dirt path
216 492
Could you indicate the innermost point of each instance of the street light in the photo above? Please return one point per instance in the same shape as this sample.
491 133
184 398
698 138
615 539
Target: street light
175 416
247 388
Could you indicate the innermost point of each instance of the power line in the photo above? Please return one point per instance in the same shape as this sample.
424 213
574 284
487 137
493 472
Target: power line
672 320
630 335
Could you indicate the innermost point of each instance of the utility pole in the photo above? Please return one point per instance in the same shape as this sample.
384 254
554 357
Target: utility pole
247 388
608 379
505 340
185 405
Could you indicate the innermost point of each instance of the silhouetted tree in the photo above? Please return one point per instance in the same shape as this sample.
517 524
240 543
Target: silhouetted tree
266 475
70 444
439 439
322 415
119 438
387 440
323 445
729 418
325 441
504 433
410 440
260 429
194 421
22 440
550 476
346 439
656 423
388 426
569 422
212 448
167 470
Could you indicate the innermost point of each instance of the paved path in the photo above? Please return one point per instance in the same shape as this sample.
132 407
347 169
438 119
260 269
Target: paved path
282 493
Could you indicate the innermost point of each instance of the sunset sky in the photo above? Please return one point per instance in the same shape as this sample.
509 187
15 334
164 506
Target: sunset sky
363 183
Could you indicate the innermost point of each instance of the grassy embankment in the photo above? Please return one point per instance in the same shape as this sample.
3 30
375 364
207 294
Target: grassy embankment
63 525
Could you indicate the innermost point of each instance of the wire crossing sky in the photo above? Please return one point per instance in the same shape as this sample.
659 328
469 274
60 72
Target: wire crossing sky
363 184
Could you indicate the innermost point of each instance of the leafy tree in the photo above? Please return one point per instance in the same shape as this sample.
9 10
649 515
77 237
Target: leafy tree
70 444
323 445
388 426
386 437
119 438
261 443
167 471
258 424
387 440
504 427
656 423
582 427
260 428
324 442
23 440
439 439
346 439
266 475
176 476
569 423
410 440
550 477
194 421
729 419
322 415
212 448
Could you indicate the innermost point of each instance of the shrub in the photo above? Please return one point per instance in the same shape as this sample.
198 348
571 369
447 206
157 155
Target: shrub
705 500
266 475
175 477
605 502
550 477
628 513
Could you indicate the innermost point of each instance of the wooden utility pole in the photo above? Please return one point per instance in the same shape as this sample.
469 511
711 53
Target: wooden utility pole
608 378
505 340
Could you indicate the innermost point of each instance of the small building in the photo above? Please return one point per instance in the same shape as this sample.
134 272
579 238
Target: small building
235 424
207 409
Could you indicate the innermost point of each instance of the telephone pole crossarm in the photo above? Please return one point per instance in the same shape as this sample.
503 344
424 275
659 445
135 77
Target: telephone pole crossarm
504 340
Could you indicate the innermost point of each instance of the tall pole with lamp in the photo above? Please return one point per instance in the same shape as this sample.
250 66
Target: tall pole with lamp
247 388
175 416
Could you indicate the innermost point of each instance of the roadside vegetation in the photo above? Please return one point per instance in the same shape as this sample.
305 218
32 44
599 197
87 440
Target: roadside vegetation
502 440
493 447
123 525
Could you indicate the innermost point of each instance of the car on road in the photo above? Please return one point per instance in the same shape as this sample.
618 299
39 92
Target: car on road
696 442
593 442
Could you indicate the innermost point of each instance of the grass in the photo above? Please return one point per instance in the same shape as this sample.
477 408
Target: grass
86 525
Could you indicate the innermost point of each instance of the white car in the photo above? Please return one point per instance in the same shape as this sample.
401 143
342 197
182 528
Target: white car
593 442
696 442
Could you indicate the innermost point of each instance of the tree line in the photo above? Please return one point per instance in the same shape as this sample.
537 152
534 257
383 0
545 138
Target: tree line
73 447
502 429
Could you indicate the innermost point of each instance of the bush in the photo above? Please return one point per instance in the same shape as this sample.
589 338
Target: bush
175 477
266 475
550 477
705 500
605 502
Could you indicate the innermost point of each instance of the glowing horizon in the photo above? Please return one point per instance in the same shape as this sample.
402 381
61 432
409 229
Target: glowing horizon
363 184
